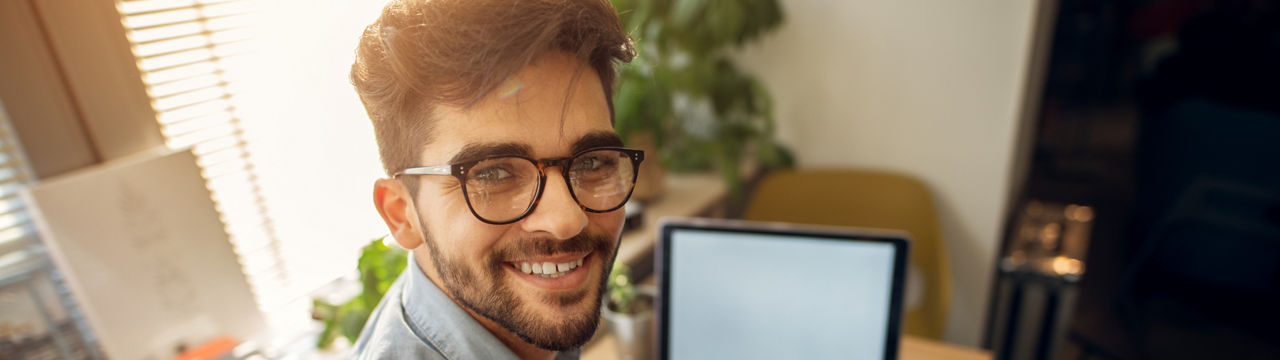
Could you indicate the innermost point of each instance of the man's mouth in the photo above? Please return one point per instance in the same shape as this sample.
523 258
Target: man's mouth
549 269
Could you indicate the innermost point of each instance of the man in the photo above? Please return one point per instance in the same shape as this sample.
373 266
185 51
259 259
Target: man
494 120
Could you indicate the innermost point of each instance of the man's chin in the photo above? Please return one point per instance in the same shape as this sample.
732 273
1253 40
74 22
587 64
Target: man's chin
559 305
562 319
558 321
558 311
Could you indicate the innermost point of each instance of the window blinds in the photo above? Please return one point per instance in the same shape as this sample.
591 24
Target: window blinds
18 241
188 53
23 258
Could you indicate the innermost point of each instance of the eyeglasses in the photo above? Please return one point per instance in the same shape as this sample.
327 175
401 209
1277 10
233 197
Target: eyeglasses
503 189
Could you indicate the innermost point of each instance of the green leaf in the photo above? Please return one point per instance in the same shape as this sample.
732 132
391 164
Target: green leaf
622 291
379 265
352 317
683 54
327 335
323 310
685 13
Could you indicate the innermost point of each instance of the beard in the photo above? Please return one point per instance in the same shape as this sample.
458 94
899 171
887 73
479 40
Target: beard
484 292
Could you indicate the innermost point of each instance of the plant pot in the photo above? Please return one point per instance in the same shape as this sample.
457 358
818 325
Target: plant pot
652 179
633 333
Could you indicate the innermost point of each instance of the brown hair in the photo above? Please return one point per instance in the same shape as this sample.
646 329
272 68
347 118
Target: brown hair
421 53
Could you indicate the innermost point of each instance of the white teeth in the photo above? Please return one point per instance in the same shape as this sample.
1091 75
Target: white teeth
548 269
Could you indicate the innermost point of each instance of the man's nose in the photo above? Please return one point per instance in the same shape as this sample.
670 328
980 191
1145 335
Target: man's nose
557 213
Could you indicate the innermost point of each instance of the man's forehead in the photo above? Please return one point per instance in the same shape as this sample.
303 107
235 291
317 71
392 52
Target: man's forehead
478 150
543 110
519 135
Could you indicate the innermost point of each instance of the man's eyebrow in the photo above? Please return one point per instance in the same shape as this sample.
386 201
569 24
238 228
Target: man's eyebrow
482 150
596 140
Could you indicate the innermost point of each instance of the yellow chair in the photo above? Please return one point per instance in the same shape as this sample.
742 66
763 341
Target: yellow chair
875 200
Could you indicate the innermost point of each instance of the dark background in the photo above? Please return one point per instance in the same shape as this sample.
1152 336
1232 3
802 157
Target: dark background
1165 117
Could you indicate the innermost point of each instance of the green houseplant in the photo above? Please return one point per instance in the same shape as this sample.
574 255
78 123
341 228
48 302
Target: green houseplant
622 294
628 311
685 93
379 266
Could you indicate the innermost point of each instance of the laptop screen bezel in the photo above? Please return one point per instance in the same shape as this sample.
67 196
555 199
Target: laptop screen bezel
669 227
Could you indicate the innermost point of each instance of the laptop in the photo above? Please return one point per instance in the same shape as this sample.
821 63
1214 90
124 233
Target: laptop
733 289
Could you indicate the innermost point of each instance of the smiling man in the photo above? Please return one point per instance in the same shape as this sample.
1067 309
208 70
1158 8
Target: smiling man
494 122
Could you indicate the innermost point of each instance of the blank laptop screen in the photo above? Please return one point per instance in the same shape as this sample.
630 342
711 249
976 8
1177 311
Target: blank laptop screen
735 295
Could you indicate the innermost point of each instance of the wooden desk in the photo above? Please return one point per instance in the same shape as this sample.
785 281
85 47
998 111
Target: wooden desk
913 348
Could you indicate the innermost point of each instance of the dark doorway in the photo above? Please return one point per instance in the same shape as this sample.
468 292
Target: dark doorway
1164 116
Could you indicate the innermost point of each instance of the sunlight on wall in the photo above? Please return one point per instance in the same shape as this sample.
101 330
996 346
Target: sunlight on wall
313 145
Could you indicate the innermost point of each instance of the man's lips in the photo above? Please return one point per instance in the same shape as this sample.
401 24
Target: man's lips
551 266
558 258
559 272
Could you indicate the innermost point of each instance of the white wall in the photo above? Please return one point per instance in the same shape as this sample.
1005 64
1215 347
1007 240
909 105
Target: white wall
929 88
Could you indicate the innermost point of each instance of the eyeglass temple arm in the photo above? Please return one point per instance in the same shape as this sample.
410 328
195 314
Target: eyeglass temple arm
429 170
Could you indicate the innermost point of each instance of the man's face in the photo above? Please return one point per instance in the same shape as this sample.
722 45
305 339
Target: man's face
552 108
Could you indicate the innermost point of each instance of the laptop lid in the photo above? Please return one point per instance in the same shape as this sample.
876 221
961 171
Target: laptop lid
748 290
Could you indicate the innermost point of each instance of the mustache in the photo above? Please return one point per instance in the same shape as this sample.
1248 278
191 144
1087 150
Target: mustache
543 246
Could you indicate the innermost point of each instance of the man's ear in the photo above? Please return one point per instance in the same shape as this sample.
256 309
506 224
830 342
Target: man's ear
394 204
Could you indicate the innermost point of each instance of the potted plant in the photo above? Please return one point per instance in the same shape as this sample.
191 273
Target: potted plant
628 312
379 266
683 93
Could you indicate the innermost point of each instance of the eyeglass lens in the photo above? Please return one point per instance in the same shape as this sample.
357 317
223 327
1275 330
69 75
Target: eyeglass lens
501 189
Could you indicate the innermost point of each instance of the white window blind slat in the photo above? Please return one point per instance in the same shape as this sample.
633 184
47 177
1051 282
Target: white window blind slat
14 219
180 58
11 188
171 116
8 174
10 204
131 7
192 97
222 155
16 236
164 77
203 148
198 12
185 84
173 45
197 123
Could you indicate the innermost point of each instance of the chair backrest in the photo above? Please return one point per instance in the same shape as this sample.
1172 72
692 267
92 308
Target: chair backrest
868 199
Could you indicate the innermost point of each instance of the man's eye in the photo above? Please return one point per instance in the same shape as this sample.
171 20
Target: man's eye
594 162
491 174
589 163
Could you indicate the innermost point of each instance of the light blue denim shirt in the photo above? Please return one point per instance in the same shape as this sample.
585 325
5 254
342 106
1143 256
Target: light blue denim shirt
415 320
